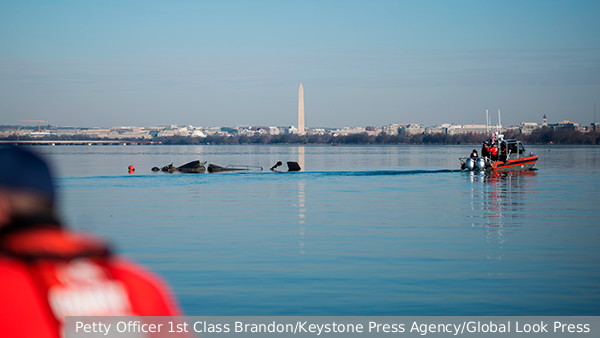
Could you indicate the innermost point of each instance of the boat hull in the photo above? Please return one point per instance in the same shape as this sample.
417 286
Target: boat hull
518 164
503 155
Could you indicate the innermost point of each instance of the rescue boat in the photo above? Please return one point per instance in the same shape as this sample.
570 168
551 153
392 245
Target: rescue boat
511 156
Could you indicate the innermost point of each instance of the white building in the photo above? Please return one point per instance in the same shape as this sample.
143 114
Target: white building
528 127
393 129
197 133
469 128
349 131
412 129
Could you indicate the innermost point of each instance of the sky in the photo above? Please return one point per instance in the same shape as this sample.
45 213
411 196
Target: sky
362 63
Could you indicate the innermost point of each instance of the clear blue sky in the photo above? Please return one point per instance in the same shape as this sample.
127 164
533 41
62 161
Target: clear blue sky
209 63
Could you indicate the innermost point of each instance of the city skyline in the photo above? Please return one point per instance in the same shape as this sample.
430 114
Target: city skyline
37 125
363 63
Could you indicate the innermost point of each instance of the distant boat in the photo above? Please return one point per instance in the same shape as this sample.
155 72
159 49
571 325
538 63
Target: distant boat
510 156
499 154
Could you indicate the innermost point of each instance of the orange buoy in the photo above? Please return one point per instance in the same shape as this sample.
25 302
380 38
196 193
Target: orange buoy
131 169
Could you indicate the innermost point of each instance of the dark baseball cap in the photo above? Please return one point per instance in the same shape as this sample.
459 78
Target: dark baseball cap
21 169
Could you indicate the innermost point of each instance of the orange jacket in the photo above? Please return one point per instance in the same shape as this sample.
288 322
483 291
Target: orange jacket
494 150
47 273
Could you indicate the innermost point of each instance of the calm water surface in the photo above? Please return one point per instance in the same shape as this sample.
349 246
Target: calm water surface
362 230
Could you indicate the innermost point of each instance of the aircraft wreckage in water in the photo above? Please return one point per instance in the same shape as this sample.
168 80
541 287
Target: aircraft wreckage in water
198 167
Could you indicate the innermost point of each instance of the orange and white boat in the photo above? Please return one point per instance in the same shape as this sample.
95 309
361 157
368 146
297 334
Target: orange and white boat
509 156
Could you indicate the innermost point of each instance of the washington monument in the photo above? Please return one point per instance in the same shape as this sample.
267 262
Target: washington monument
301 110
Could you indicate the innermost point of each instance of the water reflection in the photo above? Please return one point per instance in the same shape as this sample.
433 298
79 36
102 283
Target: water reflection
301 201
497 204
301 214
301 158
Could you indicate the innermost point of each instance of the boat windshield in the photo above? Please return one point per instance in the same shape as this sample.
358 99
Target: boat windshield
513 148
521 148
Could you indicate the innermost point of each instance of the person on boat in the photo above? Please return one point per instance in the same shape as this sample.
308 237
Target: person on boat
474 153
485 149
503 153
48 272
494 152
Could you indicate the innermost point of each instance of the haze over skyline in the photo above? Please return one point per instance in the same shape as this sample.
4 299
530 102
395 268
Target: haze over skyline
361 63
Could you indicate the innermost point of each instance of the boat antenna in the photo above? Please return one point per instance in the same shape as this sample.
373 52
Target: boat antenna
499 119
487 121
499 125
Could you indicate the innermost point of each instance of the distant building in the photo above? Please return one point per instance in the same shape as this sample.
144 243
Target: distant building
96 132
349 131
173 130
469 128
229 130
291 130
434 130
393 129
318 131
212 130
528 127
197 133
168 133
411 129
568 125
127 132
565 125
259 130
67 130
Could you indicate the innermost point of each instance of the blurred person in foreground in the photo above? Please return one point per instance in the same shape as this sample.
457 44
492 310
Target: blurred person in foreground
48 272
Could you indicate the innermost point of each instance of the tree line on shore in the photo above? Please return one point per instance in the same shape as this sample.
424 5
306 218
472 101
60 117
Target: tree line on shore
539 136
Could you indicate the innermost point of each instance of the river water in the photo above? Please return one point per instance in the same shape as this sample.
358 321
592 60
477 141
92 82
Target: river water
361 230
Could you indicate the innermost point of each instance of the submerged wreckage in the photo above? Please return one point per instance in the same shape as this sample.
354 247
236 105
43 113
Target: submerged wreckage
195 167
292 166
213 168
198 167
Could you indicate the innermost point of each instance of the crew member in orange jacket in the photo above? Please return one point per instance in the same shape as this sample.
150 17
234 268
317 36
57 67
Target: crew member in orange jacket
494 152
48 272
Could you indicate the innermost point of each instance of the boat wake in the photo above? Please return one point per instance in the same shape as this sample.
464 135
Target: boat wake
385 172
